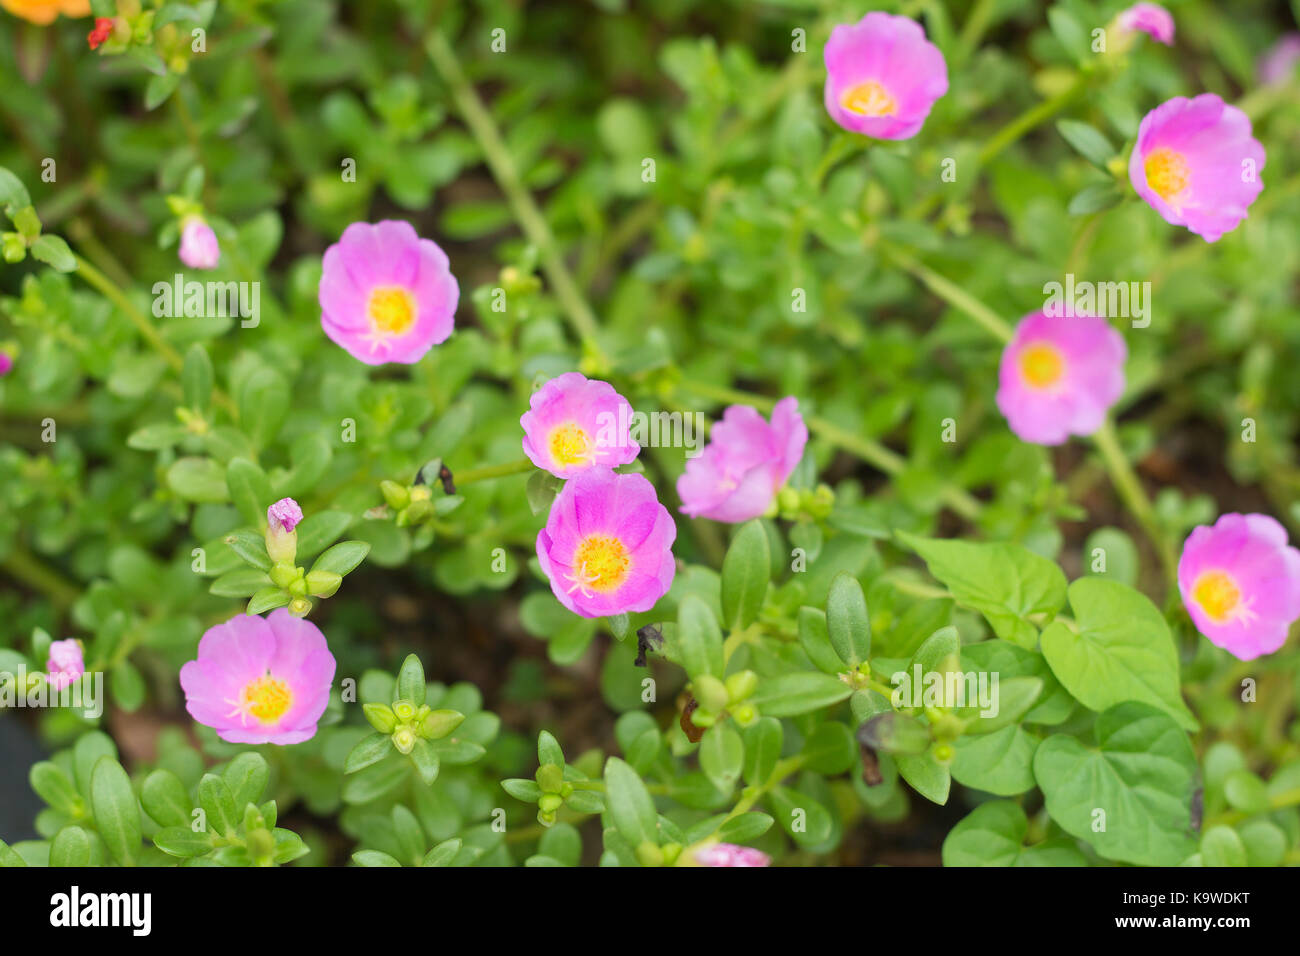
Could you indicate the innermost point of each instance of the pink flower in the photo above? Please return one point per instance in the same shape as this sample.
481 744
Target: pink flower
284 515
607 544
199 247
1150 18
6 364
386 295
745 464
1240 582
1059 376
260 680
882 76
730 854
1277 65
574 423
65 665
1196 163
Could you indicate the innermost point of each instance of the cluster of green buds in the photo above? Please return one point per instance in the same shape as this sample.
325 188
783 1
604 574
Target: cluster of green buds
282 547
557 783
406 724
166 34
794 504
717 698
411 504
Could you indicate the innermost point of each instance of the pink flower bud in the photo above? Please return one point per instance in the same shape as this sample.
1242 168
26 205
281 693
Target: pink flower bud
199 247
730 854
65 664
284 515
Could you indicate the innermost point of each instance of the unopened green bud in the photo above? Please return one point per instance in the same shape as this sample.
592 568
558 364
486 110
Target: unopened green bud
404 740
417 511
545 818
671 852
566 790
550 802
550 777
421 493
741 685
649 854
261 843
299 607
787 499
745 714
439 723
323 583
711 693
703 718
404 709
381 717
944 752
397 496
12 247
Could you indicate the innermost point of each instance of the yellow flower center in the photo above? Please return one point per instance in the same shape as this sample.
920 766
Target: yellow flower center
1217 594
267 699
392 310
1042 365
601 562
570 445
1167 172
869 99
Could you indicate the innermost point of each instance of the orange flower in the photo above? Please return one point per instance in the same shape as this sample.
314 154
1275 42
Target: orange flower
44 11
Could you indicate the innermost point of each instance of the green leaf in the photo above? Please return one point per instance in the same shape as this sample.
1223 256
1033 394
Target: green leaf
814 638
197 378
13 194
442 854
218 803
247 776
847 622
1088 141
763 740
249 490
830 749
52 785
927 776
721 754
198 479
71 847
410 681
1122 650
369 750
343 557
990 835
116 811
183 842
318 531
1221 846
746 571
699 637
251 548
373 858
55 252
804 819
428 762
267 599
263 405
798 693
127 685
1137 783
630 807
242 582
159 89
164 798
1004 582
1094 198
1001 762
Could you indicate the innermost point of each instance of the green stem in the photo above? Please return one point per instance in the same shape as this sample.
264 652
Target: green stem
25 567
503 168
1134 495
752 795
1287 798
1031 117
492 471
950 292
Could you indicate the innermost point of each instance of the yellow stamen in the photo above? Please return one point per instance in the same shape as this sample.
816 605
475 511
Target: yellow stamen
1042 365
267 699
869 99
391 309
601 562
1167 173
1217 594
570 445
